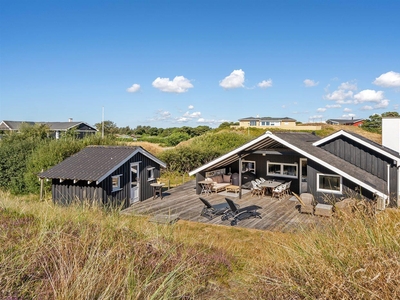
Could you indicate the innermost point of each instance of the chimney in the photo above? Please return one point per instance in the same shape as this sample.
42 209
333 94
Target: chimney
391 133
70 120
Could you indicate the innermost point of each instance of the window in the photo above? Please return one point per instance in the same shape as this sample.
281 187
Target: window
150 173
329 183
248 166
264 123
253 123
282 169
116 183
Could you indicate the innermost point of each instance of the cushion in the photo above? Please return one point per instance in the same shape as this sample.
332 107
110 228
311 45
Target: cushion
217 179
208 179
227 178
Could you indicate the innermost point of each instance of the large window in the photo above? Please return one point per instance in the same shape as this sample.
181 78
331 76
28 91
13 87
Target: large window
253 123
282 169
248 166
116 182
329 183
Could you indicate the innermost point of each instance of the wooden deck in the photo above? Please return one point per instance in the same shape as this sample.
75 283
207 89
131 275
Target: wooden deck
276 215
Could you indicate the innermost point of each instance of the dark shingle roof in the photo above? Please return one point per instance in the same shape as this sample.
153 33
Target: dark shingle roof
343 121
93 163
306 143
62 126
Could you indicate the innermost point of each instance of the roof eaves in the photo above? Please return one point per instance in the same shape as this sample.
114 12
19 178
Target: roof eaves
233 152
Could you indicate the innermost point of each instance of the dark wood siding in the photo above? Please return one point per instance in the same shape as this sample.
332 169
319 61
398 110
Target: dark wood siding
261 168
348 187
365 158
66 191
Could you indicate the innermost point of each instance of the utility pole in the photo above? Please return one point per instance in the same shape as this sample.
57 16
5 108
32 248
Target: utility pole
102 124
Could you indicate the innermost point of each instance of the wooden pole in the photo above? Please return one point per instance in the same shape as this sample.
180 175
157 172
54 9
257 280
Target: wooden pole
41 188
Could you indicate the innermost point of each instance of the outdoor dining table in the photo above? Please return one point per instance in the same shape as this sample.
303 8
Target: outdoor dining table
206 187
157 189
269 185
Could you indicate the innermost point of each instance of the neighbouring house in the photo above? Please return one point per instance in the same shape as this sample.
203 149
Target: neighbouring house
330 168
81 129
109 175
351 122
268 122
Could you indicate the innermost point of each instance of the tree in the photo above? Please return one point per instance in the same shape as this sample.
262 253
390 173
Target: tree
109 127
374 122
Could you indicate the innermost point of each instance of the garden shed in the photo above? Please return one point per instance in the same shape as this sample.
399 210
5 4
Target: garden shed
110 175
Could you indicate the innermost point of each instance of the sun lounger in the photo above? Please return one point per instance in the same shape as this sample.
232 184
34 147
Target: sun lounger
240 214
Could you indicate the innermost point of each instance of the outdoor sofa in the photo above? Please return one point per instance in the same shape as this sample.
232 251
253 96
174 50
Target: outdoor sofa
220 182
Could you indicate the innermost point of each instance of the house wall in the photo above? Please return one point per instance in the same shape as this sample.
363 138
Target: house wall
365 158
261 168
348 187
66 191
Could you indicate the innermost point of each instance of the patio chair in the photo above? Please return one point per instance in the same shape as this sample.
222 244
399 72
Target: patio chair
258 181
211 211
240 214
279 191
255 189
307 202
262 179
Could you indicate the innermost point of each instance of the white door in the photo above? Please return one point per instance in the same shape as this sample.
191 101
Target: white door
303 175
134 183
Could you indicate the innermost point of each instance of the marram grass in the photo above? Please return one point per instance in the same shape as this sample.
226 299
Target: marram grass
85 252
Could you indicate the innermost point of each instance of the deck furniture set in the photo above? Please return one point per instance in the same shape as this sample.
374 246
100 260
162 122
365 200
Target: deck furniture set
229 210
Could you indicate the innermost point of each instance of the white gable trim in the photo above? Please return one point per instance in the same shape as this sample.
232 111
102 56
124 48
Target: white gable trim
233 152
364 143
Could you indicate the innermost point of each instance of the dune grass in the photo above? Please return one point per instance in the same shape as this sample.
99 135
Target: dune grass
81 252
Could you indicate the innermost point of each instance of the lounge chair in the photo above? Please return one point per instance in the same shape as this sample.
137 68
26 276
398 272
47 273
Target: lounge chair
307 202
211 211
240 214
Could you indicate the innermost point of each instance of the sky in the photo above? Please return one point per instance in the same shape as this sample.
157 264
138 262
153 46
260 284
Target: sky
190 63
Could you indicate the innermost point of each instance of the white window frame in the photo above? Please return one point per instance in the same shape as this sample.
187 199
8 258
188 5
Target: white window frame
150 170
281 174
326 190
118 187
251 170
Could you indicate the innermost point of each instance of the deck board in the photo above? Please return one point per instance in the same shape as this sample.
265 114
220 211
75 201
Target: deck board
277 215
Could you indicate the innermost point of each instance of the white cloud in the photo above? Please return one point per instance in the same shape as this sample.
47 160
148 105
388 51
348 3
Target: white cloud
389 79
367 107
368 96
346 109
333 106
162 115
265 84
211 121
351 86
343 94
310 83
382 104
321 109
234 80
190 107
134 88
178 85
315 118
192 115
182 120
340 96
348 116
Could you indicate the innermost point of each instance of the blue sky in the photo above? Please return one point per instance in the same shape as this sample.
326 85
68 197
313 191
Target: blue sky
190 63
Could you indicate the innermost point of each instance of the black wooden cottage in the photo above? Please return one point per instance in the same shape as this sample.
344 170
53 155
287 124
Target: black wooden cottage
110 175
329 168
